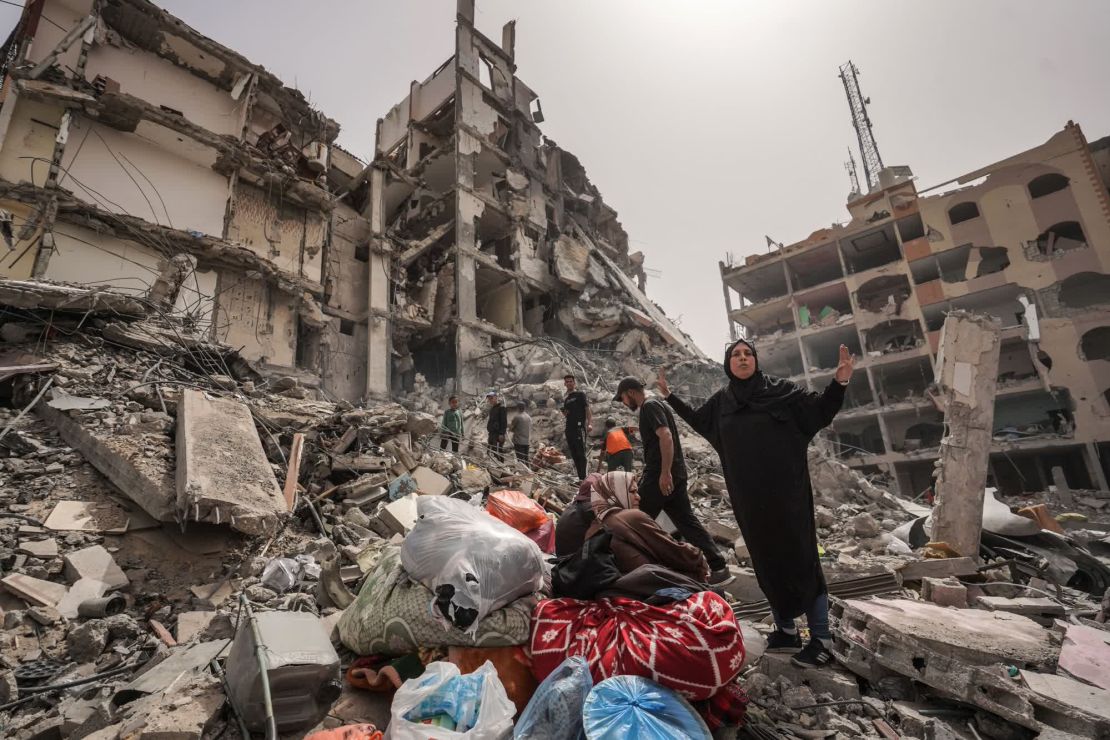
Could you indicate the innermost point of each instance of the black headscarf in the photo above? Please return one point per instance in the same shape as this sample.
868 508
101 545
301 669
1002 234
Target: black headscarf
760 392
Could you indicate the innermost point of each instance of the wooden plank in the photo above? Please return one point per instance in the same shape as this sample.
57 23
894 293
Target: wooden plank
163 633
293 472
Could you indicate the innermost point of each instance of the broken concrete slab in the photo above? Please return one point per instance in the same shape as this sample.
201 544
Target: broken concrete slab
223 476
87 516
32 294
944 592
571 261
400 515
429 482
42 549
1039 609
1085 654
1082 709
190 624
97 564
155 494
81 591
833 680
188 710
179 661
937 568
34 590
66 402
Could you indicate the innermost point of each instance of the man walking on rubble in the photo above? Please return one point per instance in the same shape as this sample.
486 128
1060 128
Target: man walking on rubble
663 482
580 422
521 427
496 425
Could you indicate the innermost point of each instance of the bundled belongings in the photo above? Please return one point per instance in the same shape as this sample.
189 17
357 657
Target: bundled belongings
391 616
693 646
443 704
555 712
473 563
634 708
525 516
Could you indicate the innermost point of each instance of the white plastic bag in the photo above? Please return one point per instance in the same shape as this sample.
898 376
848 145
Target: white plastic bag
437 687
472 562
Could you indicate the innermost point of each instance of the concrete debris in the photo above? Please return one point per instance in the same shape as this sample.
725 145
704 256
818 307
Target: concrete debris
222 471
97 564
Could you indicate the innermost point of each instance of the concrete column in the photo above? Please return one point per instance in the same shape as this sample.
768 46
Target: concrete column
1094 466
967 375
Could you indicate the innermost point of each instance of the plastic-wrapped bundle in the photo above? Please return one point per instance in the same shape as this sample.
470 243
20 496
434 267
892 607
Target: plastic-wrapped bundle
444 705
555 711
472 562
635 708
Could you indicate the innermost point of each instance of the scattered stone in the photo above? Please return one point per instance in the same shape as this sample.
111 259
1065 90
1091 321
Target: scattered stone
95 563
259 594
34 590
42 549
944 592
865 525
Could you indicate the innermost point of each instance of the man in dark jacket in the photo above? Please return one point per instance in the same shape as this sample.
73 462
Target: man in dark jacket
580 420
663 484
497 424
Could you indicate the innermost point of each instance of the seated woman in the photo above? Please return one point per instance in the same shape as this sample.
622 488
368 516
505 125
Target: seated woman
637 538
570 530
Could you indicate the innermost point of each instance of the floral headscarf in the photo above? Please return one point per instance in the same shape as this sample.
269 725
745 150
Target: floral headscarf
611 492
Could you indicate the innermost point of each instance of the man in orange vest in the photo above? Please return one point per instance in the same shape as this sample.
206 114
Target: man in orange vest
618 450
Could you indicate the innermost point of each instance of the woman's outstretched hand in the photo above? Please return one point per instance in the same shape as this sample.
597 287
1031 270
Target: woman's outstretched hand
846 365
661 383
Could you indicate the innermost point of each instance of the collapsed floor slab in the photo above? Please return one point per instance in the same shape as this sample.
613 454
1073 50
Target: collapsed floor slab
223 476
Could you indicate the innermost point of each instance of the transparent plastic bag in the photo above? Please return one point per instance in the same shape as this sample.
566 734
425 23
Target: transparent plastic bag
636 708
472 562
555 711
443 696
281 574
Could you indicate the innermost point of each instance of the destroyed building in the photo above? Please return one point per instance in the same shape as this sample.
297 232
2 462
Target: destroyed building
141 156
486 233
1026 240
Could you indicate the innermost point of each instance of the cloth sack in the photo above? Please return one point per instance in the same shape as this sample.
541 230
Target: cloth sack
694 646
583 574
390 616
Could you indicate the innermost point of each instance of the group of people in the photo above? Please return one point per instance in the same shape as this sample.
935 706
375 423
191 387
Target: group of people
760 426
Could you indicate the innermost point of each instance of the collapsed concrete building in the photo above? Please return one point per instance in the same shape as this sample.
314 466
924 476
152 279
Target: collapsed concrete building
490 233
138 155
1025 240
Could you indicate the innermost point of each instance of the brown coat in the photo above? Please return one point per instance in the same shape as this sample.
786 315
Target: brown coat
639 540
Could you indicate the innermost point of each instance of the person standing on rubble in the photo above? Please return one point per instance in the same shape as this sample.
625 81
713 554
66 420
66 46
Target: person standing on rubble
663 483
521 427
496 425
761 427
580 422
451 428
616 447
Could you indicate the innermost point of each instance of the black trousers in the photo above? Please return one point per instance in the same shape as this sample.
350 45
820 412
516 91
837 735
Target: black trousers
678 508
620 461
576 441
521 453
445 438
495 447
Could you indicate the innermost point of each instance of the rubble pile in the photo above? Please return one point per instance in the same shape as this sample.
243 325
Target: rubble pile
168 511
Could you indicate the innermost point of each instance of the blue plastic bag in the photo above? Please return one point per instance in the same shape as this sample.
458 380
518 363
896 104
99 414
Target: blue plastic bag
635 708
555 710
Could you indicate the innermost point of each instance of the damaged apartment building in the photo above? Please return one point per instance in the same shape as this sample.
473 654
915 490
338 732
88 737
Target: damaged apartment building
486 234
140 156
1026 240
143 157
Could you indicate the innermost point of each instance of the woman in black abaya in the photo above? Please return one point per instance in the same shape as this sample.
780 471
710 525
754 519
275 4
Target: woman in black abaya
760 426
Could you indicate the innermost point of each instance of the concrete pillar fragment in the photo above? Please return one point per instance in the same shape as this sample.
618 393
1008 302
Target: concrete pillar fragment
967 375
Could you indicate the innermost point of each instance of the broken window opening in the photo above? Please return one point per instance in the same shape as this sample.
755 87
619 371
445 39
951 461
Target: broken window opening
992 260
1015 364
924 435
1034 415
434 358
1046 184
1061 237
362 252
860 439
1095 344
823 350
485 72
897 335
1084 290
884 294
347 327
871 250
911 227
308 352
814 267
903 381
961 212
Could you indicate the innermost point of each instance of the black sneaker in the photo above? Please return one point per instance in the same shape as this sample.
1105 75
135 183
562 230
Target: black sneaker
721 577
813 655
780 641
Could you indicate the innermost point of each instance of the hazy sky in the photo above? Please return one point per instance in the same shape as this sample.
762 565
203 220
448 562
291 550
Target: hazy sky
709 123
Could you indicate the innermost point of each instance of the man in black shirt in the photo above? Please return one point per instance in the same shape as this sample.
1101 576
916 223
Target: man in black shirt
580 421
663 483
496 425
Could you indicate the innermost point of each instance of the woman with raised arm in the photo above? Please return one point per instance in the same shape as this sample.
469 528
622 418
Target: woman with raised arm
760 425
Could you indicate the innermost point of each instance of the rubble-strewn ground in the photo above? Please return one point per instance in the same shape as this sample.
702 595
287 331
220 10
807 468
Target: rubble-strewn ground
89 480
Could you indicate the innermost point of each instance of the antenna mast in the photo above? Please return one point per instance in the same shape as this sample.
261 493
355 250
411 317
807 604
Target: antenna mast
850 165
868 149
